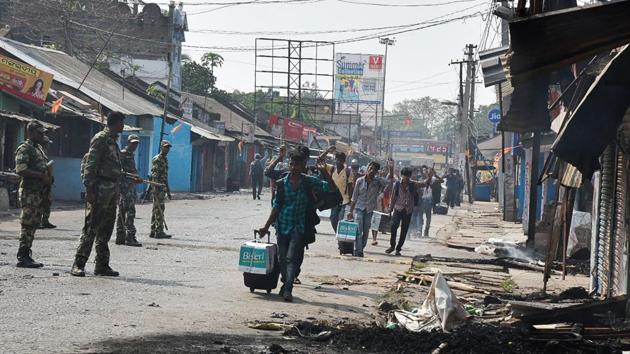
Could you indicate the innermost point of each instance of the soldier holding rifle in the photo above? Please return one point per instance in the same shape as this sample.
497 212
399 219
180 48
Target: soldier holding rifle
159 174
125 229
101 176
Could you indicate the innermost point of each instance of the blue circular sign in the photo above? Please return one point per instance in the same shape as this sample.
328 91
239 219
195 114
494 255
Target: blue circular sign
494 116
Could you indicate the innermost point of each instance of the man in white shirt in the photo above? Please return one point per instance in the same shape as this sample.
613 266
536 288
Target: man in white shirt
341 175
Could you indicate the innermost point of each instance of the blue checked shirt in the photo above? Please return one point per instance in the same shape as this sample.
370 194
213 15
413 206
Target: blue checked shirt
293 208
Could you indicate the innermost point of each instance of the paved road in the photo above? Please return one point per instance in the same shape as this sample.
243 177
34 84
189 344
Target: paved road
188 284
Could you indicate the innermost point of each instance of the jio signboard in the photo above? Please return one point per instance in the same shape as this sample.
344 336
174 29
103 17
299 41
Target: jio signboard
494 116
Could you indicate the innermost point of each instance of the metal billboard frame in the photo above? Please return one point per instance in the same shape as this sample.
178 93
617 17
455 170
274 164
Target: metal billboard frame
286 58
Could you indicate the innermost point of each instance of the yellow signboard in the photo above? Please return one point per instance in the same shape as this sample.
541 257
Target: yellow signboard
24 81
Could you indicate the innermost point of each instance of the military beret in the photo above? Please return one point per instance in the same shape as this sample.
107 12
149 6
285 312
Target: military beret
35 125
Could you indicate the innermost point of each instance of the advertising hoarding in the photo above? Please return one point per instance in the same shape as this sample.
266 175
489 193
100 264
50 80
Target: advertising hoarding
359 78
24 81
431 147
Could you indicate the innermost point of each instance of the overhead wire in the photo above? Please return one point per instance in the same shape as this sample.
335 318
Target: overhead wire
440 20
404 5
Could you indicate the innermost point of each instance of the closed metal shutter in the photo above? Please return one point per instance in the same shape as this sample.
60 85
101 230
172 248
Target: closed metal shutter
620 251
604 268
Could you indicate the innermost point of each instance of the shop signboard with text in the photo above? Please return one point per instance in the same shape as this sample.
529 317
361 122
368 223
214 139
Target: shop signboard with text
24 81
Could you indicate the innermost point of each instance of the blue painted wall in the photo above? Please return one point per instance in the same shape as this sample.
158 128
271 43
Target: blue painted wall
68 185
180 156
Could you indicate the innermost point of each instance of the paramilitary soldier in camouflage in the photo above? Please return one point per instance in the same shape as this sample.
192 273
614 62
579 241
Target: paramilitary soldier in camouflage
159 174
125 229
31 165
47 201
101 174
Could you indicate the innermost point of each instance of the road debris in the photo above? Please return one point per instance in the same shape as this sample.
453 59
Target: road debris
268 326
441 309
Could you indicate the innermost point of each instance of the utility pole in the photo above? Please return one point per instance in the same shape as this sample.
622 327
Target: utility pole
471 171
465 113
171 9
387 42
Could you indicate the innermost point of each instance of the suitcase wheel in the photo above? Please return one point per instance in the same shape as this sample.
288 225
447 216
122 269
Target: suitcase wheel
268 291
251 290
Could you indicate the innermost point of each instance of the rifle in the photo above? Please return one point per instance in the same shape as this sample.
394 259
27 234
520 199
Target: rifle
148 191
150 183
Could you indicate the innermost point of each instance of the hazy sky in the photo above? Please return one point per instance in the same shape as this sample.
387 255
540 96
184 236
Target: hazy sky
417 63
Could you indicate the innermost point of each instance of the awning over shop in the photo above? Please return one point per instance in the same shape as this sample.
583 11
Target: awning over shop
25 119
490 148
210 135
549 41
597 117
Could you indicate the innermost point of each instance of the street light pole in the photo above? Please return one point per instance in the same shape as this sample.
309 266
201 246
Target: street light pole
387 42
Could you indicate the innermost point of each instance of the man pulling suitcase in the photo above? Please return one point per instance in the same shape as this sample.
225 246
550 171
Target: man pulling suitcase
290 207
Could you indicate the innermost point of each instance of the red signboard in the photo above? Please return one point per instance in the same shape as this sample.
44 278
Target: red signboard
376 62
293 130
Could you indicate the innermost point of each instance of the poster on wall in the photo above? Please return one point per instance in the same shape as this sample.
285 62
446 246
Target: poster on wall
24 81
359 78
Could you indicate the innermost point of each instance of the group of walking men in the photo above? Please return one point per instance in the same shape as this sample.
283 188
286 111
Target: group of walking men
109 176
293 211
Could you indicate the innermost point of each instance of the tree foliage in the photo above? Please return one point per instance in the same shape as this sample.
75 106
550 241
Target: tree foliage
198 77
435 120
429 116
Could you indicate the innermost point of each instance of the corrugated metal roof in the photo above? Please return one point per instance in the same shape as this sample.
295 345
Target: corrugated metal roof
71 71
25 119
492 67
233 121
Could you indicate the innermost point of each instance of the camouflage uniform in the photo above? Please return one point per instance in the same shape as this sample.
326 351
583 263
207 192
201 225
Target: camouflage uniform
30 156
101 171
159 174
47 195
125 229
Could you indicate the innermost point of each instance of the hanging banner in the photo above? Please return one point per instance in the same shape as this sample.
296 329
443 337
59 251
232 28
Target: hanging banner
24 81
293 130
359 78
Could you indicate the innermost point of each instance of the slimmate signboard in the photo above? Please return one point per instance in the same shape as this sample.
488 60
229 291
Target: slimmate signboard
24 81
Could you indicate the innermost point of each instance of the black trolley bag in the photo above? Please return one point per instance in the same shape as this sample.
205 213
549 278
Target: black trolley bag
268 281
345 247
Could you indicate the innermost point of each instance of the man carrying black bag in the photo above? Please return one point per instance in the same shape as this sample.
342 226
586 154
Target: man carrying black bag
293 209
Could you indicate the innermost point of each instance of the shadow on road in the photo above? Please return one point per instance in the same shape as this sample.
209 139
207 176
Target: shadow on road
203 343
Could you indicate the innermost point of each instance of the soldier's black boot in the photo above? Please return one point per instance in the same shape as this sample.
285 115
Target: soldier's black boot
34 262
120 238
78 270
47 225
131 241
105 271
162 235
25 260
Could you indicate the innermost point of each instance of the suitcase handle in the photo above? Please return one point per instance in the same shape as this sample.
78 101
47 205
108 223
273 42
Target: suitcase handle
257 233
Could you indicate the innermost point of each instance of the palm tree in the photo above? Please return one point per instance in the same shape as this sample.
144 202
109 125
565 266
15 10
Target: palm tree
212 60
